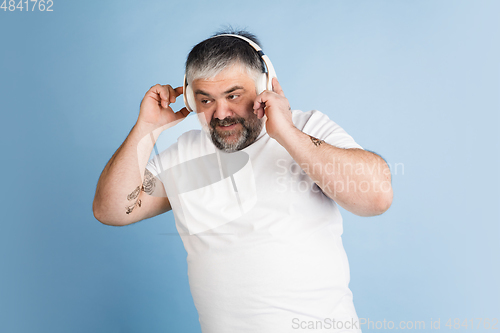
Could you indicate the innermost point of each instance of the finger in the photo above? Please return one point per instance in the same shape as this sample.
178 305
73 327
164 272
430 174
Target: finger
277 87
172 94
259 111
260 101
182 113
154 93
262 112
179 90
263 102
163 93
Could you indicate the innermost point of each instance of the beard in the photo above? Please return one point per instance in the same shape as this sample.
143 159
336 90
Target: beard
238 138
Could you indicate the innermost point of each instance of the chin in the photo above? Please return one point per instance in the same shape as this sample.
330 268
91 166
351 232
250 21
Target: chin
231 145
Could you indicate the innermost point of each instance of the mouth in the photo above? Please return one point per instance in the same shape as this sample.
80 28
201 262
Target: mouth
228 127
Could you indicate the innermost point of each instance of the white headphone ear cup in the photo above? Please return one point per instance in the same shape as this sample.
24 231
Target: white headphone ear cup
190 98
261 83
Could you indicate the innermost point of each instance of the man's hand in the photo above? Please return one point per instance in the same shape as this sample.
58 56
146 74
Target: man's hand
155 106
275 106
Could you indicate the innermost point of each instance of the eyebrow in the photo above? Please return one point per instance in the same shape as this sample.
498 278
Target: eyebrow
230 90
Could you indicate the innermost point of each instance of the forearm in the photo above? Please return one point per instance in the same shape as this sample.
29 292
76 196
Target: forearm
121 181
358 180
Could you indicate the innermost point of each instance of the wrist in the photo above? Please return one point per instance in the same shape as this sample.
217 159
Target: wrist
287 136
144 127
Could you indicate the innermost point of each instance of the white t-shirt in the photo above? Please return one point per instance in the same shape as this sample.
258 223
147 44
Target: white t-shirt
264 243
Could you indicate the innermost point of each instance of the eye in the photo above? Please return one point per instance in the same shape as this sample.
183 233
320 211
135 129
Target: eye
205 101
233 96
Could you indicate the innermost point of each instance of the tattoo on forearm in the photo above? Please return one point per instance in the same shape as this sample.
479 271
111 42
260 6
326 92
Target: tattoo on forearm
148 186
316 142
131 208
134 194
149 183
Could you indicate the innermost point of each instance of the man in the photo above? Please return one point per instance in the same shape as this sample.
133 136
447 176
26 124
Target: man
254 195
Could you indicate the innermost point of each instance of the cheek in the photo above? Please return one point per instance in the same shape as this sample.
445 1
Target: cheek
206 113
205 116
245 109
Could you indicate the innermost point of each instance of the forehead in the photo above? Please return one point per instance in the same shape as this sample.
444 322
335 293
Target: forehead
231 76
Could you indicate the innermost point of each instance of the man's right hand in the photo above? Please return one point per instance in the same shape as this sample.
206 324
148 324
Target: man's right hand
155 107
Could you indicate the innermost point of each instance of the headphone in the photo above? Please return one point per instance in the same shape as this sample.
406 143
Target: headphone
263 82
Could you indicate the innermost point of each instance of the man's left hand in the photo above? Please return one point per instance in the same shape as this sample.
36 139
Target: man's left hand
275 106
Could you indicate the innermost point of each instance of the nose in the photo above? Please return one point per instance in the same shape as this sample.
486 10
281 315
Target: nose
223 110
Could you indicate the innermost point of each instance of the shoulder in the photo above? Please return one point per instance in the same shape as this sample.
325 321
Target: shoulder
301 118
171 155
319 125
311 120
192 140
190 136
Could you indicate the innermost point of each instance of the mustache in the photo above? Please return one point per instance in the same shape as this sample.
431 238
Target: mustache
226 121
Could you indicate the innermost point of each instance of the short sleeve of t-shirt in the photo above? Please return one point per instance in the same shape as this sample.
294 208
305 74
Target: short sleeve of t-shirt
320 126
163 161
170 157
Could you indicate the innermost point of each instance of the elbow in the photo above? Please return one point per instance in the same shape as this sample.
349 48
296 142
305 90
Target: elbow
101 215
382 202
382 195
374 204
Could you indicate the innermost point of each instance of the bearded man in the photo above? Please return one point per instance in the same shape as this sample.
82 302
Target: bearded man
254 193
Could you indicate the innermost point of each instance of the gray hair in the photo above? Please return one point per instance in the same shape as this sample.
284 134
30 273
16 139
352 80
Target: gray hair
213 55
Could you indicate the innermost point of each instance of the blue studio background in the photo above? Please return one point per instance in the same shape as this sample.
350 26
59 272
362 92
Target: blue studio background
415 81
